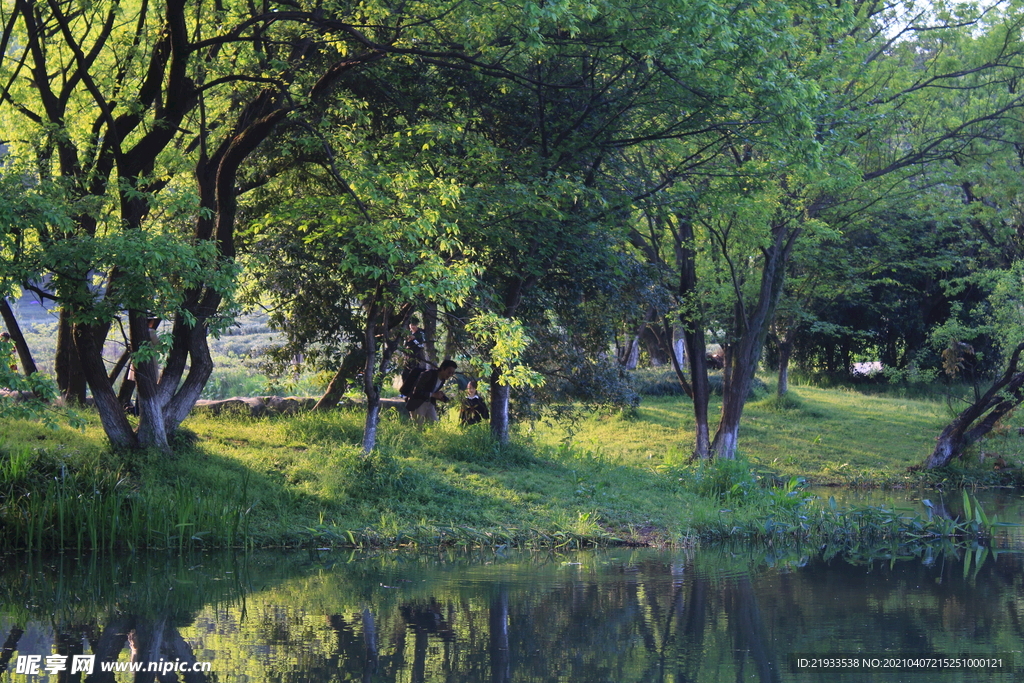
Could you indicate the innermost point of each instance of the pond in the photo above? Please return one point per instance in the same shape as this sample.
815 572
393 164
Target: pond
724 613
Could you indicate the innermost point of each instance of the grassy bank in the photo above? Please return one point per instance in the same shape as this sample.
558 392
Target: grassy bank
621 478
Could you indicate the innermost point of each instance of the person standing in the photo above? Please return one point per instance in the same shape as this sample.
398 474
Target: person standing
4 336
423 403
416 343
416 358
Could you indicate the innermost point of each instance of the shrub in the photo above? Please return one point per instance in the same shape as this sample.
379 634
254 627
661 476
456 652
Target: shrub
658 382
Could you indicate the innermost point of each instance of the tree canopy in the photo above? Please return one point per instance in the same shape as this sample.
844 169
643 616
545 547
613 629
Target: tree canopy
532 178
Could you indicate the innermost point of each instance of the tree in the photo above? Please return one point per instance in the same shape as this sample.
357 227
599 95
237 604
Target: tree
561 189
348 246
863 86
142 116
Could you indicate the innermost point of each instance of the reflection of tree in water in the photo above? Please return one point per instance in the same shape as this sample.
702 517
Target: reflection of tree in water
425 620
749 631
102 604
148 639
354 644
656 618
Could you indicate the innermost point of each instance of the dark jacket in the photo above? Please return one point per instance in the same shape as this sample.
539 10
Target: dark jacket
424 388
473 410
416 345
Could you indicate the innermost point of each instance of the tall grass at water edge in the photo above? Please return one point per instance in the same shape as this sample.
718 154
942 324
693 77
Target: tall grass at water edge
59 498
785 512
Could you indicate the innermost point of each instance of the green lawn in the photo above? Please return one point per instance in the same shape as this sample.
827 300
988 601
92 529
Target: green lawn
299 480
834 436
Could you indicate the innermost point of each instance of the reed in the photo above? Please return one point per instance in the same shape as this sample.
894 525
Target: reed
95 509
869 531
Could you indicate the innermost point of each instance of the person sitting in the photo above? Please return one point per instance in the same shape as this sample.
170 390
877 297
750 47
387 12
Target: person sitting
422 404
473 408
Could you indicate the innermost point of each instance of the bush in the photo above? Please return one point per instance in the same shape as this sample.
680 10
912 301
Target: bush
787 403
374 476
658 382
723 479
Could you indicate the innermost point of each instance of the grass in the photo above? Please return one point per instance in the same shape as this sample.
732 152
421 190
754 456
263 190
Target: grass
623 478
828 436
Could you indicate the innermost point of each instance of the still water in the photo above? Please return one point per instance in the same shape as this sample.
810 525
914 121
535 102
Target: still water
711 614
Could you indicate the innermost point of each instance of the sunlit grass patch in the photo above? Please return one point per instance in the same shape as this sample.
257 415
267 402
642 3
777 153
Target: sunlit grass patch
826 435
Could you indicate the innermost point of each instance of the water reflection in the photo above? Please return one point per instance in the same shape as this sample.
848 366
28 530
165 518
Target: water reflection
723 614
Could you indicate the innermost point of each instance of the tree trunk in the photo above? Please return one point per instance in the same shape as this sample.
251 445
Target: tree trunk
980 417
430 329
678 349
500 397
370 390
189 342
678 357
90 360
693 337
152 426
335 390
126 391
658 350
751 331
949 445
28 365
455 331
701 390
785 353
70 378
629 355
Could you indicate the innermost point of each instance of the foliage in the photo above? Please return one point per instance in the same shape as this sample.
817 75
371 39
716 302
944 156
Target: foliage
501 343
31 397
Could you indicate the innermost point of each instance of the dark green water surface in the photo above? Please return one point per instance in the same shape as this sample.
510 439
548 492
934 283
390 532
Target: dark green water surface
717 614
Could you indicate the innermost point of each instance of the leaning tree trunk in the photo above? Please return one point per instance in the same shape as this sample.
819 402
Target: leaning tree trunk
980 417
351 365
335 391
28 365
